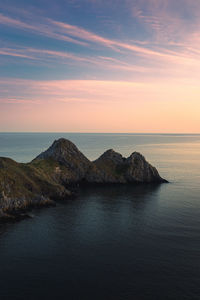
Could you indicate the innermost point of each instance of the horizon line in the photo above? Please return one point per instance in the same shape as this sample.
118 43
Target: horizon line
89 132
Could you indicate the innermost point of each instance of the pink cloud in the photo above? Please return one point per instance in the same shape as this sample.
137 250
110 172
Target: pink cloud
78 35
166 22
9 100
68 58
163 54
15 53
43 29
14 22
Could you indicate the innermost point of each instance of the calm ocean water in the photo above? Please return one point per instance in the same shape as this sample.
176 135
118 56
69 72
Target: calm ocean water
110 243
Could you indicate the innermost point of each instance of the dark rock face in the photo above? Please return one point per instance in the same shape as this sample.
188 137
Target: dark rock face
140 170
133 169
51 175
67 155
110 167
111 155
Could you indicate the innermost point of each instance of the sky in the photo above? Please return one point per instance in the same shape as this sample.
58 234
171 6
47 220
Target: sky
100 66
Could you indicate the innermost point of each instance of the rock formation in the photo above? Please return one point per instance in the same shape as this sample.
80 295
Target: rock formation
71 164
53 174
134 169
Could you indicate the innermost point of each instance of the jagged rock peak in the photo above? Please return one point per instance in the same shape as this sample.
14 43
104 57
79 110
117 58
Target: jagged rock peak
112 156
63 144
62 150
136 156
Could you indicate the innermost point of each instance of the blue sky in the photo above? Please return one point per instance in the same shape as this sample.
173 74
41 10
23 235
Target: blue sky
82 48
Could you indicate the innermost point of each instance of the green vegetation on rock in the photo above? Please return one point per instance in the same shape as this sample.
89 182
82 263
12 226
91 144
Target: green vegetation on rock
50 175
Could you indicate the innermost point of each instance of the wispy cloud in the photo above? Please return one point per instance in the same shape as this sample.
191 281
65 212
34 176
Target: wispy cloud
67 30
5 20
158 75
168 20
41 28
14 52
8 100
70 58
115 45
78 35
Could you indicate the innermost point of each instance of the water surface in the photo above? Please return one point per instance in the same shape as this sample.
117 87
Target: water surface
117 242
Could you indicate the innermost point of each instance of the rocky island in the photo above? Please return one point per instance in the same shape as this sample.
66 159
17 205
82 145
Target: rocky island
56 173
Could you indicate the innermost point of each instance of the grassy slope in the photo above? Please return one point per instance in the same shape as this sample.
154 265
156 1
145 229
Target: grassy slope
22 185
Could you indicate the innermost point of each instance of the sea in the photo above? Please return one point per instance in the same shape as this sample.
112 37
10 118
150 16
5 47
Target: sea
114 242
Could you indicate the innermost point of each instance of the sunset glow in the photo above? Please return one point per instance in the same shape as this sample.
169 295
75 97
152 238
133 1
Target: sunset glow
100 66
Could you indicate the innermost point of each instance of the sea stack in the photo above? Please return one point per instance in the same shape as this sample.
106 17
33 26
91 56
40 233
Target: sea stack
54 173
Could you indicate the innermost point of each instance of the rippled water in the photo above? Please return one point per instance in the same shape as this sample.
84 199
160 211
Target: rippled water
111 242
